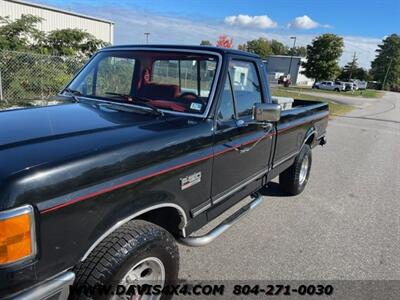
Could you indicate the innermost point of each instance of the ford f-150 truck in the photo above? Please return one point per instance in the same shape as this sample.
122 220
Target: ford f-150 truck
150 144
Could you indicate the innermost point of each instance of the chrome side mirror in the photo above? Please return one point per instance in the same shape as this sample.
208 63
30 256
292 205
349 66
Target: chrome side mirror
266 112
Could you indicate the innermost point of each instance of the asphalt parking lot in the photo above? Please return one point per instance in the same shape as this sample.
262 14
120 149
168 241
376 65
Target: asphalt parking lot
346 224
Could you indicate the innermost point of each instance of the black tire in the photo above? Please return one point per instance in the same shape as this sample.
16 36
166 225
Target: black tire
289 180
337 90
120 251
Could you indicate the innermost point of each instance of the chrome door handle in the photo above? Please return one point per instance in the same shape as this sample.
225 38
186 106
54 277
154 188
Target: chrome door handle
241 123
247 149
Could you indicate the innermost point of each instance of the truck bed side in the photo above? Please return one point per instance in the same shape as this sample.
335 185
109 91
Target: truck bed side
305 122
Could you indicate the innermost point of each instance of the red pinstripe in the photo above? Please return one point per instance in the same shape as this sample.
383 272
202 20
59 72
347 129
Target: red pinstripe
132 181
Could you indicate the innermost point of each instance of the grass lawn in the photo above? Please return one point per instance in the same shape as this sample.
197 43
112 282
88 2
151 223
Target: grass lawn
334 108
360 93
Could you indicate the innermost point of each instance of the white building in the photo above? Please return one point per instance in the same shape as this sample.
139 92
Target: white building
277 65
54 18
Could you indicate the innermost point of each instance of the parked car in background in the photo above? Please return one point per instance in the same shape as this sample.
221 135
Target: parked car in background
359 85
374 85
362 85
285 80
330 86
275 75
349 86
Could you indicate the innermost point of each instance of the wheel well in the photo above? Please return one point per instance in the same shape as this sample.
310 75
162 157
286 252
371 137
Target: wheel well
165 217
310 139
169 216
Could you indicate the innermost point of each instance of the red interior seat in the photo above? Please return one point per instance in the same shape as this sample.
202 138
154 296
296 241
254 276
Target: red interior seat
153 90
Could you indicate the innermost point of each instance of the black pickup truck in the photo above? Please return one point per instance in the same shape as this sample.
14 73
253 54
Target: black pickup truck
150 144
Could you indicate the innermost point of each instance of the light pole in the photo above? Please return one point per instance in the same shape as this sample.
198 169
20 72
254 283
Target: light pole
386 74
291 55
147 37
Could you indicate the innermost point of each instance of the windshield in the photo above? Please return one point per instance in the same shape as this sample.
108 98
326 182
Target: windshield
173 81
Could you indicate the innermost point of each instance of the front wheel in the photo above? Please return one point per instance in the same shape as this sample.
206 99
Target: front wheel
294 179
137 253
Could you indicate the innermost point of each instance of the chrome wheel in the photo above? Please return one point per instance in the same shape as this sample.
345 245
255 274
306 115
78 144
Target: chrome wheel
303 170
149 271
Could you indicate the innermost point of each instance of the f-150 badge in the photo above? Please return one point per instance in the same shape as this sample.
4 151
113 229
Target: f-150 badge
191 180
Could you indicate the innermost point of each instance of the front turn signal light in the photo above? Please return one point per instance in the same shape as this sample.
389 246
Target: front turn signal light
17 235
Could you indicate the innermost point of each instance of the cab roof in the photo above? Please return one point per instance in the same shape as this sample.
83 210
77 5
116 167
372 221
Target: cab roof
221 51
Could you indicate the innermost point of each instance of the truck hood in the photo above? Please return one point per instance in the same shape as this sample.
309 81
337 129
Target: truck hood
80 143
27 125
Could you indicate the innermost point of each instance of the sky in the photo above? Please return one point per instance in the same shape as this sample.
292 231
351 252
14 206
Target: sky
362 23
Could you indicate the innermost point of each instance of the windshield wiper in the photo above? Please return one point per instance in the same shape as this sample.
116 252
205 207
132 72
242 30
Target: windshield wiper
147 104
125 96
73 93
141 101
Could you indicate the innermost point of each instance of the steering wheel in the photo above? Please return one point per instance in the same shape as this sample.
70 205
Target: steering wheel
191 95
186 94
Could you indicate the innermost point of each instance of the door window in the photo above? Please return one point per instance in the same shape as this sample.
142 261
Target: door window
226 110
246 86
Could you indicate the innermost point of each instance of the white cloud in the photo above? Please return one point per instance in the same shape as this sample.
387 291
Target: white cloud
130 24
303 22
262 22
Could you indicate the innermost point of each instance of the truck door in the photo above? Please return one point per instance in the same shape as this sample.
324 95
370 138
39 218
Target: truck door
242 148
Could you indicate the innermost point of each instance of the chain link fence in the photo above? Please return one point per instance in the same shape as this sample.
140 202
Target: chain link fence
26 78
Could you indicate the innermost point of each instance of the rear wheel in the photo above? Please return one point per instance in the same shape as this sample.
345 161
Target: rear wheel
294 179
137 253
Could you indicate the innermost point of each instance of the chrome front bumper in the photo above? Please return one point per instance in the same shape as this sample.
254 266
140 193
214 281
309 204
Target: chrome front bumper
56 288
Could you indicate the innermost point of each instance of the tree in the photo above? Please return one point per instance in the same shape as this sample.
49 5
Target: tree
322 57
26 75
349 70
21 34
362 74
224 41
30 76
264 47
357 73
278 48
298 51
386 65
260 46
205 43
352 71
351 67
71 42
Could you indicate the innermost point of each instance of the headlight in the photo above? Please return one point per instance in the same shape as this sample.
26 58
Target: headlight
17 235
